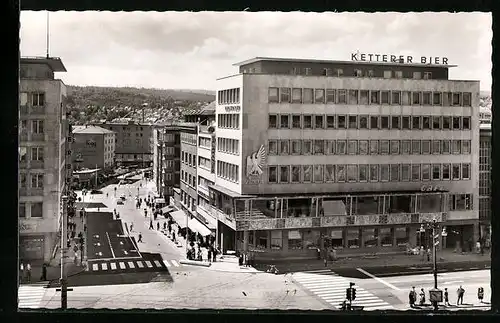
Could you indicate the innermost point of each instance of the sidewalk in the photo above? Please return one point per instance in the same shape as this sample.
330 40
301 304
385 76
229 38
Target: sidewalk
444 257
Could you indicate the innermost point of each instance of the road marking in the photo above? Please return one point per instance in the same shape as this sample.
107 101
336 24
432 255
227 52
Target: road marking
148 263
95 267
166 263
175 263
453 282
104 266
139 264
122 265
157 263
131 264
378 279
110 247
113 266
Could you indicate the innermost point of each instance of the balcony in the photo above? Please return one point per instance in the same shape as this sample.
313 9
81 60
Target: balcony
258 221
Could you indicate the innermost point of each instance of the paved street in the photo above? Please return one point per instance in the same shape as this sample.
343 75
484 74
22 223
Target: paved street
31 295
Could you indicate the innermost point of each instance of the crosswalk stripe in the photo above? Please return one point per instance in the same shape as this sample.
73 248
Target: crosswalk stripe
175 263
157 263
139 264
131 264
122 265
30 296
331 288
166 263
104 266
148 263
113 266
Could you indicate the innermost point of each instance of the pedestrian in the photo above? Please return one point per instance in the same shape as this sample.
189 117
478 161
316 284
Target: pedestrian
422 297
480 294
214 255
422 252
44 272
158 226
140 238
429 254
164 225
107 195
21 271
28 272
145 213
411 298
446 297
210 253
460 294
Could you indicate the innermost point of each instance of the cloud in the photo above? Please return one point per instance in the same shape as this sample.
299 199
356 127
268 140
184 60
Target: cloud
191 50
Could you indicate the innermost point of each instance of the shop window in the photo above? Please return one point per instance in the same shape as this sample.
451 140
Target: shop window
261 239
387 74
370 238
311 239
399 204
402 236
337 239
294 239
373 173
336 206
417 75
429 203
273 174
307 172
341 173
353 238
373 147
395 173
276 239
329 173
308 122
385 235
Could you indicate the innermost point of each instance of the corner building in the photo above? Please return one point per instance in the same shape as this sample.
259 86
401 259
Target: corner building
352 155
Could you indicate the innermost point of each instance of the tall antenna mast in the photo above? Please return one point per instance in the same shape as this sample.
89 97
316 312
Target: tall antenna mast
48 34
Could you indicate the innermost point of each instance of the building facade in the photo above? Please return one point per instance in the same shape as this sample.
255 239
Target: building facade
42 156
133 143
93 147
188 178
352 155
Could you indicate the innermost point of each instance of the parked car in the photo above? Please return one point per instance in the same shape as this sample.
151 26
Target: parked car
122 197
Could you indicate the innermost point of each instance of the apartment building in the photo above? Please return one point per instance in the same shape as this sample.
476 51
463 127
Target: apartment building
347 154
485 183
133 142
42 156
93 147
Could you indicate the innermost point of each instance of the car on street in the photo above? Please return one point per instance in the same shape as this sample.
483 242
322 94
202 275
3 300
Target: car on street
122 197
119 201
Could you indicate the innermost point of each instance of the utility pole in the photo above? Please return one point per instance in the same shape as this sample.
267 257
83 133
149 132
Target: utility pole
64 247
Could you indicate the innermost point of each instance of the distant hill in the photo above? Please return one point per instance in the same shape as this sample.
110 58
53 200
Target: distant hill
129 96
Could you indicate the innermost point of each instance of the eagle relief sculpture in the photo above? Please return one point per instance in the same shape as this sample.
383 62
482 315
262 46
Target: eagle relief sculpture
255 162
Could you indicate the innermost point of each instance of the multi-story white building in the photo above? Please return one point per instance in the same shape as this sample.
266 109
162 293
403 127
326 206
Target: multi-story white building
354 155
93 147
42 156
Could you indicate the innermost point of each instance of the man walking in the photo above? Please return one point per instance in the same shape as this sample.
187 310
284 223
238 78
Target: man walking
44 273
151 225
21 271
158 226
28 272
412 297
140 238
460 293
446 297
480 294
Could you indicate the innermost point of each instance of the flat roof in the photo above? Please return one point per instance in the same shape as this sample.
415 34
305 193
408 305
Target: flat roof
92 129
308 60
54 63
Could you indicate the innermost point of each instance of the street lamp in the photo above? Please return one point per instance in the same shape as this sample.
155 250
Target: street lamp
435 294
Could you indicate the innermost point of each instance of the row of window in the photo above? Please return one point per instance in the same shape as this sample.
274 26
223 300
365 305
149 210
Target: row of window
368 173
188 138
36 154
204 142
36 180
189 159
228 171
36 99
188 179
229 96
228 121
343 96
36 126
188 201
228 146
202 181
359 72
204 162
368 147
373 122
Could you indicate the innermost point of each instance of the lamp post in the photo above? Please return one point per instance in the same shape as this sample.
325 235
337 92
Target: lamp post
435 294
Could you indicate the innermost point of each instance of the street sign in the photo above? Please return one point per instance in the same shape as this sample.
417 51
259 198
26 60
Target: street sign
435 295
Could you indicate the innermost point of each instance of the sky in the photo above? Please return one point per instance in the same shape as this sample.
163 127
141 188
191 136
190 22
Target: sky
186 50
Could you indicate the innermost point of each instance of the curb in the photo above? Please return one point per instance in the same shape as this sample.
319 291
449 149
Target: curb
195 263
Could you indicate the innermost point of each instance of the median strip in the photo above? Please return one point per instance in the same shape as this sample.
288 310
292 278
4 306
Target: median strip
378 279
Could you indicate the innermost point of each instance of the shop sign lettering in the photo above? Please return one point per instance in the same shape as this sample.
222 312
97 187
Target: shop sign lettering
402 59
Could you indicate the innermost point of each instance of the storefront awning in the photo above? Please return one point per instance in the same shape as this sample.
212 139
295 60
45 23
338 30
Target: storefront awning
179 218
197 226
160 200
167 209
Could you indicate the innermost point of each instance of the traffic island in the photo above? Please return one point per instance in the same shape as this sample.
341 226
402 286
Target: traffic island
196 263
